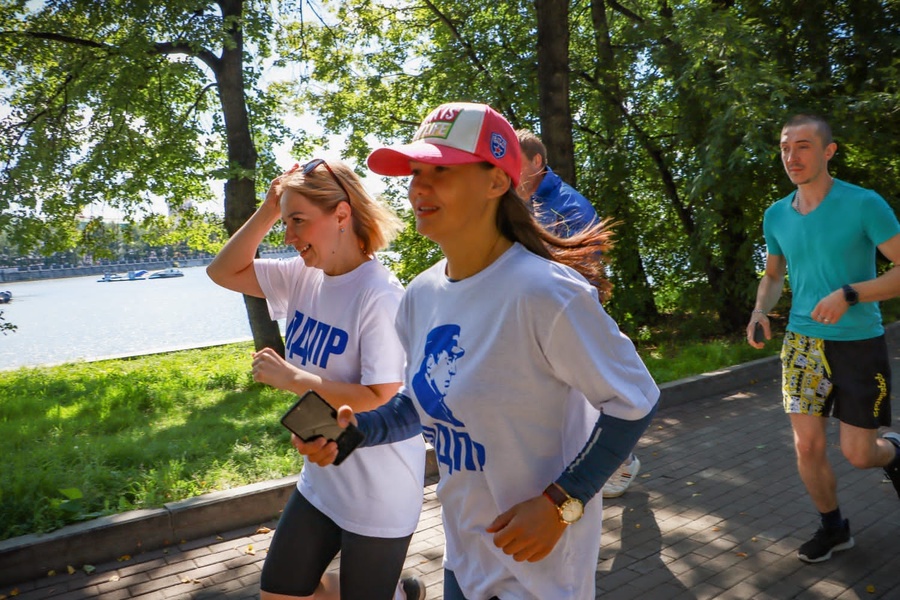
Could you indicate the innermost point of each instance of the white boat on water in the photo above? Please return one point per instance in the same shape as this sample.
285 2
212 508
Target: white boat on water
130 276
167 273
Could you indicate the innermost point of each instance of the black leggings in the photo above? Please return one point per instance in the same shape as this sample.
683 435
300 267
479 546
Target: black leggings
306 541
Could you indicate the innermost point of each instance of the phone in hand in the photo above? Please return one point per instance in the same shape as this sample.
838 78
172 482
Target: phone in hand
311 417
759 334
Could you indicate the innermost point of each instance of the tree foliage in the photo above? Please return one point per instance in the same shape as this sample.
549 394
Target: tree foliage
123 102
676 110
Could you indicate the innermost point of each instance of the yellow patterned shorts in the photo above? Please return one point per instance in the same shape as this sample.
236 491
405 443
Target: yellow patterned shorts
850 380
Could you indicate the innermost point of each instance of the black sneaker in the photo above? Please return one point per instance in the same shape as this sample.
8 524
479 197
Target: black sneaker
413 588
892 471
825 542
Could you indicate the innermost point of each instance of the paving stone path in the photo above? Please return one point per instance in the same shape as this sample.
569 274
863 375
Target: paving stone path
718 511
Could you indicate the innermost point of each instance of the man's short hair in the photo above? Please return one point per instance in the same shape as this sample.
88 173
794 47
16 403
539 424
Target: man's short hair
531 145
821 125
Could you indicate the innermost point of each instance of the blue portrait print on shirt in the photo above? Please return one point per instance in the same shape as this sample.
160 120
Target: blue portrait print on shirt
432 381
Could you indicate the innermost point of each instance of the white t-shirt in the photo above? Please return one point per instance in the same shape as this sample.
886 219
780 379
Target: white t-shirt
508 370
342 328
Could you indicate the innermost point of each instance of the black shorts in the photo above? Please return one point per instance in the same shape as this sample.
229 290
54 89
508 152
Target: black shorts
306 541
850 381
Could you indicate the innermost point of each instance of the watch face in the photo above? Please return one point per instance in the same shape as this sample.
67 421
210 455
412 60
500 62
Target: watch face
571 510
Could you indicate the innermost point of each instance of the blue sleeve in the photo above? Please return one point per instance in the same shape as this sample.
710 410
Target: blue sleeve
392 422
609 445
576 214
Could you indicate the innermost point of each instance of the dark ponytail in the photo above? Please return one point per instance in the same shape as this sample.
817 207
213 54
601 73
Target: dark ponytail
587 252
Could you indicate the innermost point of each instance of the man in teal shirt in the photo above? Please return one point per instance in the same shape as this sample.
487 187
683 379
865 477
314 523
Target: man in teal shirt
834 356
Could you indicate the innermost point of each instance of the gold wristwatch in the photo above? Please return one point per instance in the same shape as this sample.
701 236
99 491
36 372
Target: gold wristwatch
570 509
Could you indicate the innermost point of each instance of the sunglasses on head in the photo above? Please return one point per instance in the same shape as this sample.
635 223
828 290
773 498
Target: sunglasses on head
314 164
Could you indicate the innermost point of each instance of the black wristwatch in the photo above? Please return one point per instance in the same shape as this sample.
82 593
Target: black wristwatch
850 295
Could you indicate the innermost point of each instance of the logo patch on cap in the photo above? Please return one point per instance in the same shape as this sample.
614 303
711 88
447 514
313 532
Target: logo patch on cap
498 145
438 124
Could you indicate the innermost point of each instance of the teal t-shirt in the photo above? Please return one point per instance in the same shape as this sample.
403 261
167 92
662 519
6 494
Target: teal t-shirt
833 245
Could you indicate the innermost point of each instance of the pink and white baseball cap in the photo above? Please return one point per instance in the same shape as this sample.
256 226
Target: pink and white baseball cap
455 134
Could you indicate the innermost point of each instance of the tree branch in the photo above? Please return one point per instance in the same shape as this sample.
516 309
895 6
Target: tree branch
656 154
26 124
200 95
207 57
470 52
58 37
622 10
504 107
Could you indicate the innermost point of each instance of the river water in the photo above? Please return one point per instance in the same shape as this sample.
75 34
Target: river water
77 318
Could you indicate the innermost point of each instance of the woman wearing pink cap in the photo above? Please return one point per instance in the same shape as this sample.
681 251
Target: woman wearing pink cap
525 386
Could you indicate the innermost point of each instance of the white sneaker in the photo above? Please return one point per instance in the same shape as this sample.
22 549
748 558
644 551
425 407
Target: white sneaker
619 481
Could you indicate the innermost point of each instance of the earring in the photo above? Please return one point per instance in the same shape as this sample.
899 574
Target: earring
342 230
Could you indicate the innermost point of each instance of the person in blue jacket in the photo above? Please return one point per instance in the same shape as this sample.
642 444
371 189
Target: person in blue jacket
556 205
561 210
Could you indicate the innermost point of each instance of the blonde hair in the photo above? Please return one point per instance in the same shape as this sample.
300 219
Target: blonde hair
374 224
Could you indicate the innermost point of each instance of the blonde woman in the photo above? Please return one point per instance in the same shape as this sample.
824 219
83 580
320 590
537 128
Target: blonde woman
340 304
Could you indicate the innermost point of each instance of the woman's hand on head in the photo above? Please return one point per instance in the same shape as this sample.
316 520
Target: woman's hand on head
273 196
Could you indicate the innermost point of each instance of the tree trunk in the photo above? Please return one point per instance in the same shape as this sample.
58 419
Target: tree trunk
632 297
553 86
240 188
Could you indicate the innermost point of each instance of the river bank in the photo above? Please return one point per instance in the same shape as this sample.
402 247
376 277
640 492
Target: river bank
69 319
16 274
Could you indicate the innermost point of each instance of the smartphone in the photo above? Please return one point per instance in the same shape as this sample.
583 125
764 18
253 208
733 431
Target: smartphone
311 417
759 335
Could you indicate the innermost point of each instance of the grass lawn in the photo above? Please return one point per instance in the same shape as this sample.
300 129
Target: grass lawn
88 439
